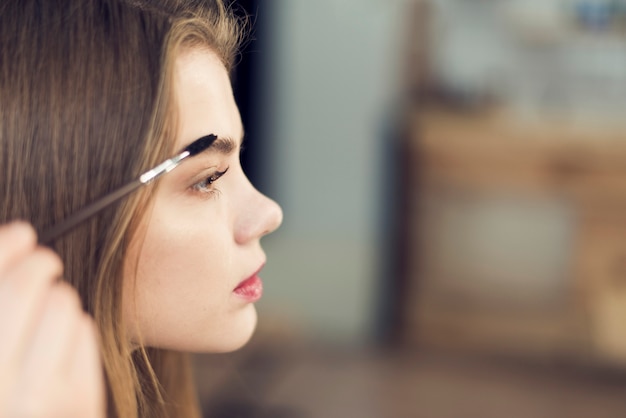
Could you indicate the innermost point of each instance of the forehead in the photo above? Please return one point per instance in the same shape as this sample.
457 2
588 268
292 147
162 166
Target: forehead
206 104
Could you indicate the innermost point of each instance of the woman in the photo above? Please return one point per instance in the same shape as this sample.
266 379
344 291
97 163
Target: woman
93 93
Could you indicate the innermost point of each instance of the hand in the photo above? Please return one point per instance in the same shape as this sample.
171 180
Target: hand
49 361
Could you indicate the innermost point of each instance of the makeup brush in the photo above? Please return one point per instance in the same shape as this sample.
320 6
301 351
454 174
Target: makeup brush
54 232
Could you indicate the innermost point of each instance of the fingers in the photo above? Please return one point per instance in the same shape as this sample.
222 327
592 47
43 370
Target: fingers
50 349
16 240
49 358
23 290
85 371
62 365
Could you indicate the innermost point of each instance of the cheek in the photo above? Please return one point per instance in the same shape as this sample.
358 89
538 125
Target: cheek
181 277
184 257
186 240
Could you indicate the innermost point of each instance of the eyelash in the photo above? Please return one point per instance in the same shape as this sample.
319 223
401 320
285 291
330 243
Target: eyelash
206 185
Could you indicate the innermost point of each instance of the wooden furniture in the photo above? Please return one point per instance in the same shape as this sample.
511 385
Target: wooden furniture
517 236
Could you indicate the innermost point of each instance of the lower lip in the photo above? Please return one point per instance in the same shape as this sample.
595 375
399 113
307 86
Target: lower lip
250 289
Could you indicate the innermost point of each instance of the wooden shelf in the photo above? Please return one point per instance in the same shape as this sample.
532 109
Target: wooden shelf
481 156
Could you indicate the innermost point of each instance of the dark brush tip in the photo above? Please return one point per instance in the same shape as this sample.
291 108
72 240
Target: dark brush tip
200 144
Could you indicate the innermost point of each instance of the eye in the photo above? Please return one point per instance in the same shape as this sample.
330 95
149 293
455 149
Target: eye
206 185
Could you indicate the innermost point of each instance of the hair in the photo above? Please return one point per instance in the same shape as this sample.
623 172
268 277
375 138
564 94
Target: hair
86 104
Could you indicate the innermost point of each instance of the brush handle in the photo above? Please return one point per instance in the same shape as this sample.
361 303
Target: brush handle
54 232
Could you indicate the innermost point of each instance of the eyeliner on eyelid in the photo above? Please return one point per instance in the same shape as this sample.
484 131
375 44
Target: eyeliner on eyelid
205 184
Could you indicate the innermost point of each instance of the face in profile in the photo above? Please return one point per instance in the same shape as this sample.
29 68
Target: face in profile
192 270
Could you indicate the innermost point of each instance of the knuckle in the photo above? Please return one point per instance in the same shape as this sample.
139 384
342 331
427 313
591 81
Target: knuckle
31 275
50 260
88 331
27 231
88 324
66 296
19 232
17 240
61 309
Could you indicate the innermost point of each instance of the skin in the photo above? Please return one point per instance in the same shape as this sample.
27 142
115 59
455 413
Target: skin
195 244
48 355
198 241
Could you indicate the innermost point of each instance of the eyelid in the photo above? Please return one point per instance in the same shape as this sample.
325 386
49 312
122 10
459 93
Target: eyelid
203 174
205 184
217 175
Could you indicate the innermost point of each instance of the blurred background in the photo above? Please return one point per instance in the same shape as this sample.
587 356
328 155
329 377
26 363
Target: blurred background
453 179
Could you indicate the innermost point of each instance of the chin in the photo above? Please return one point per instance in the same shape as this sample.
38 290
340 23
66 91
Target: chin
238 335
238 332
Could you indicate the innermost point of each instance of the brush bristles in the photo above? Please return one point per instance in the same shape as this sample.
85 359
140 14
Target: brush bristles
200 144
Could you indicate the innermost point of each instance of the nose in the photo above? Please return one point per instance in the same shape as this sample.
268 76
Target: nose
260 216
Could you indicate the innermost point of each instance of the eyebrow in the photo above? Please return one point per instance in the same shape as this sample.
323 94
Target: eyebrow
224 145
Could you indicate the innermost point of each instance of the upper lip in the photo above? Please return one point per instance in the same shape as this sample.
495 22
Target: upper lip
256 272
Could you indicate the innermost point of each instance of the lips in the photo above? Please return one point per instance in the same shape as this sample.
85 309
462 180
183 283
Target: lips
250 289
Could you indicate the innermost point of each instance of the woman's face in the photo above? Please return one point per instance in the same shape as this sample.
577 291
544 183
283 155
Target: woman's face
191 271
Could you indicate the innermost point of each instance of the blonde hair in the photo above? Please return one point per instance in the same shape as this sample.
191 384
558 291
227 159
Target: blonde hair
86 104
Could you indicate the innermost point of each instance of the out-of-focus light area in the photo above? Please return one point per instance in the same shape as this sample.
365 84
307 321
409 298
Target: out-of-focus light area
453 180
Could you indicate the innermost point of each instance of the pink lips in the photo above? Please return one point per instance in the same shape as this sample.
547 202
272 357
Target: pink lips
250 289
